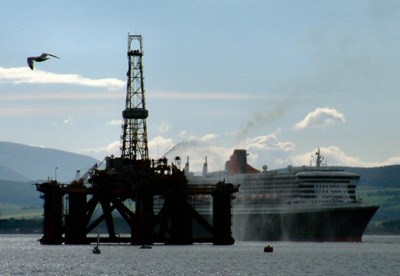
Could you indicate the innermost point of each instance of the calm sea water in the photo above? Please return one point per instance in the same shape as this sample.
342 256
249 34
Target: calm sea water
376 255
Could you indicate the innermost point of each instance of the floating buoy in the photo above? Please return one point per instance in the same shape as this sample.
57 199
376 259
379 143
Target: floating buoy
96 249
268 249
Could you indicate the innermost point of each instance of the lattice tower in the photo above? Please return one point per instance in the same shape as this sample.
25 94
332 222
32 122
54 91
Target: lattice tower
134 137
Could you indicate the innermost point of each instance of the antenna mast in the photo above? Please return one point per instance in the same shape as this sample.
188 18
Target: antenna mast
134 137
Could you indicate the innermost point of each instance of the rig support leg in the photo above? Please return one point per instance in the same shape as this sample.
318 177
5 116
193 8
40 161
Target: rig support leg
181 221
143 223
222 218
53 206
75 225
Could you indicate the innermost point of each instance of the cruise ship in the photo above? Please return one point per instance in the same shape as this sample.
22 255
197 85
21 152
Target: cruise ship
309 203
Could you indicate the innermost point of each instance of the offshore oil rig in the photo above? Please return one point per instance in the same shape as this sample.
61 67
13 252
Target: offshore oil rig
151 197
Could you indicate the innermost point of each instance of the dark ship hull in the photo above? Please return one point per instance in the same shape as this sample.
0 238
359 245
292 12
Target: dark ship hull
346 224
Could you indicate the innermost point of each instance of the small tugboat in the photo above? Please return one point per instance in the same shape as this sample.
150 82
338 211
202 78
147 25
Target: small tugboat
268 249
96 249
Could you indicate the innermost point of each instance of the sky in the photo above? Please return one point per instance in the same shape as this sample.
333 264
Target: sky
278 78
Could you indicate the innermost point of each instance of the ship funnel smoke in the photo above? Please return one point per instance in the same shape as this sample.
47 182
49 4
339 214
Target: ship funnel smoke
262 118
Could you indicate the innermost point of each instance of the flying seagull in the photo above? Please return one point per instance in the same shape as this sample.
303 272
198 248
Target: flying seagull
40 58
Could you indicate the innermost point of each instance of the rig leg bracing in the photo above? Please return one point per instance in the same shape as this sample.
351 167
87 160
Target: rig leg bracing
152 209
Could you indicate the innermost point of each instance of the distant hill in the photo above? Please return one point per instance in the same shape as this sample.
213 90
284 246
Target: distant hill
19 194
23 163
386 176
8 174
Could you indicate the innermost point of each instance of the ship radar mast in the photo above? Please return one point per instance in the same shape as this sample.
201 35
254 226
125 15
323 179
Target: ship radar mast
319 158
134 138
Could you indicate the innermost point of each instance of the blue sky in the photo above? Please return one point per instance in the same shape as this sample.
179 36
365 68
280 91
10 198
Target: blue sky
279 78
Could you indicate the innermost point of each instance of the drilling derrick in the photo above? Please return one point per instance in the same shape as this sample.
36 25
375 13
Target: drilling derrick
134 137
135 199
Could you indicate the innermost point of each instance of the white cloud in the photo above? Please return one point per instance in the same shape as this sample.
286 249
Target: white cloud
208 137
321 117
391 161
333 156
101 152
281 154
204 96
25 75
263 150
164 127
68 121
25 111
189 142
269 143
115 122
269 150
159 145
60 95
196 148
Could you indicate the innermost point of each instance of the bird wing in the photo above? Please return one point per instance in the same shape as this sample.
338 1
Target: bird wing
46 54
30 62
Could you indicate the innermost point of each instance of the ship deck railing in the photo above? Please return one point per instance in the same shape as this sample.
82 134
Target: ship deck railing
274 208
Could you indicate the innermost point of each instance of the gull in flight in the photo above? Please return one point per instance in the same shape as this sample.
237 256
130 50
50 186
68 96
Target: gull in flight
40 58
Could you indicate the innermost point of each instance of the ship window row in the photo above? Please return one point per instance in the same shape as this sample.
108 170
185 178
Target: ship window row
330 191
272 178
258 188
307 185
330 177
324 182
252 196
263 184
330 186
268 190
307 191
333 197
269 182
270 186
269 194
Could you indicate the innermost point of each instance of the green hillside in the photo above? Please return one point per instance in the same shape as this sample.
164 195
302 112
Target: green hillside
379 177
